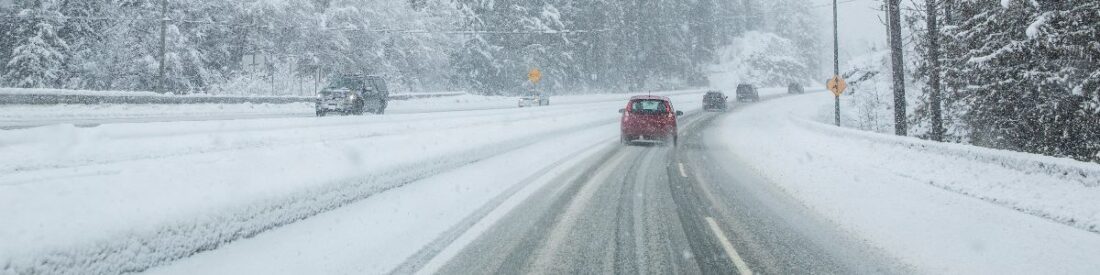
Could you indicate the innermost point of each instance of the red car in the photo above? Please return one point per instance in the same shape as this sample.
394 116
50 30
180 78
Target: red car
649 118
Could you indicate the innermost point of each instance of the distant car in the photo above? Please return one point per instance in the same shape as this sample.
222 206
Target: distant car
649 119
534 100
747 92
715 101
353 95
795 88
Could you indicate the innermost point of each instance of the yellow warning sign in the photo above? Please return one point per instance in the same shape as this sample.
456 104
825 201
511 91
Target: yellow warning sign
534 75
837 85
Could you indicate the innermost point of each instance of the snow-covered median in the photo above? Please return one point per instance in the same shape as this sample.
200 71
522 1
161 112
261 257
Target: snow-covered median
26 116
942 208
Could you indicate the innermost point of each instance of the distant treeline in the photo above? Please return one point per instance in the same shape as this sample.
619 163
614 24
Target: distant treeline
481 46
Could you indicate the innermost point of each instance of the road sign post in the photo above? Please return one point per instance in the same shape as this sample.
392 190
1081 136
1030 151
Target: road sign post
837 86
836 65
836 113
535 75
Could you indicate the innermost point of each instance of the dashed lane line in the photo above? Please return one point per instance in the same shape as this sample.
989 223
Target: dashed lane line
742 267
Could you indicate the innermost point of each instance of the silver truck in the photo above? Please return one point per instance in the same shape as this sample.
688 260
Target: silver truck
534 99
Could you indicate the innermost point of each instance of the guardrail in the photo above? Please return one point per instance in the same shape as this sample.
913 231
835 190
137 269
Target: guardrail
1086 174
51 97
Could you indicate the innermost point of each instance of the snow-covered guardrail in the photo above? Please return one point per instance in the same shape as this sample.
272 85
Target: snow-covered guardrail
424 95
1084 173
1062 190
54 97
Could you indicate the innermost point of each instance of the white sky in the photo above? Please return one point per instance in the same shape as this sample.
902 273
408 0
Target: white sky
860 26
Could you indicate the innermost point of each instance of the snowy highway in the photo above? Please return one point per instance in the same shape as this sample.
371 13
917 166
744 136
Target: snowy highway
549 137
474 187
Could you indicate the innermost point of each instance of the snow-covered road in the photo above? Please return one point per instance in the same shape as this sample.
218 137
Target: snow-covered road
420 190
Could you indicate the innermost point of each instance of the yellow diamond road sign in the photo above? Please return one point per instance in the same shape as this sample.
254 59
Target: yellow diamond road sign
534 75
837 85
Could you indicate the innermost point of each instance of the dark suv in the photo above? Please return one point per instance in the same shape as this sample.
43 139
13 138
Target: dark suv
715 101
747 92
353 95
795 88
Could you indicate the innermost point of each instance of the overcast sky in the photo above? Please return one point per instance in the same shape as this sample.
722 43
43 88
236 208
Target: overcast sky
860 28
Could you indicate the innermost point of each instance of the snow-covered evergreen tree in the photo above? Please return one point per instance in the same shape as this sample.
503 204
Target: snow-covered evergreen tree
1029 69
38 59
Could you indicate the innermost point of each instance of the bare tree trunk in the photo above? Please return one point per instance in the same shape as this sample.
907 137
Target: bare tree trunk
934 70
163 44
948 12
893 12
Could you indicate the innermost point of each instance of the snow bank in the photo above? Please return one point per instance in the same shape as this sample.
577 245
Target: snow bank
943 208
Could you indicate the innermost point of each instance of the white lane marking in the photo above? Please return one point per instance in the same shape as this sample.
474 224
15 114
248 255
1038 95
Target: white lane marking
682 172
742 267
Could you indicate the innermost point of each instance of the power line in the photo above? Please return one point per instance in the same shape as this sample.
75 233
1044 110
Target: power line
355 29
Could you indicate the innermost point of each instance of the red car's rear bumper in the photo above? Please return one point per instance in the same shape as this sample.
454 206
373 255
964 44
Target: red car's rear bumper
648 132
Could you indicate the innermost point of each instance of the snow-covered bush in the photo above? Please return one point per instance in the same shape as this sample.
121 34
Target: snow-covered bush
869 99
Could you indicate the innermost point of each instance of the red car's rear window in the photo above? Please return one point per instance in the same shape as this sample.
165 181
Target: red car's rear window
649 106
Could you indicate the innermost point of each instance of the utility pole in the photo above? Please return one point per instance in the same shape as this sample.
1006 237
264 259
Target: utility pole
836 58
947 12
893 12
639 48
934 71
163 43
